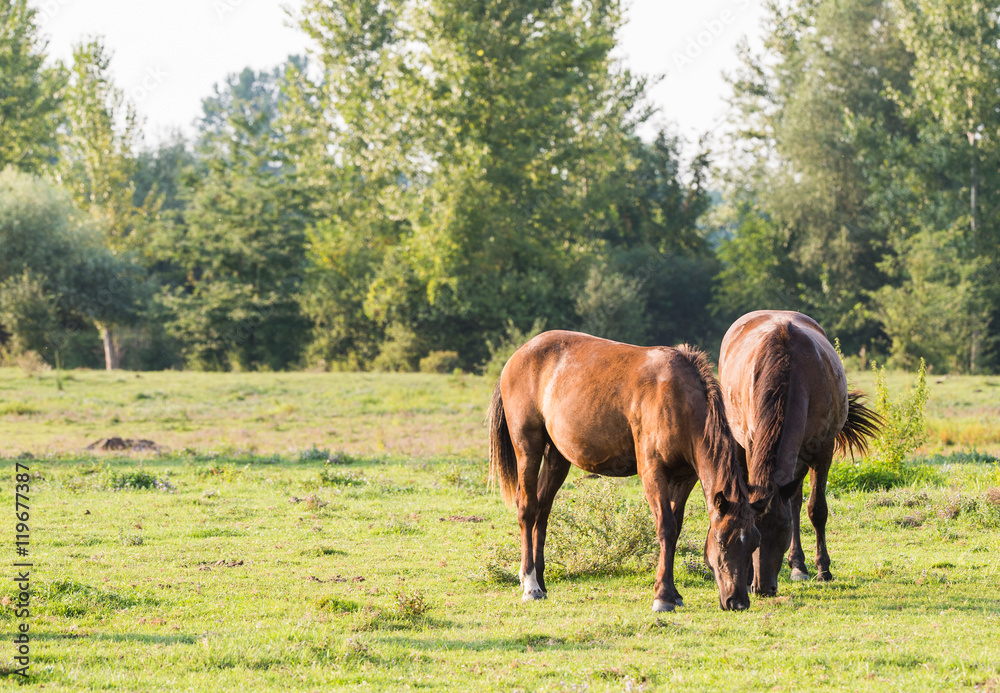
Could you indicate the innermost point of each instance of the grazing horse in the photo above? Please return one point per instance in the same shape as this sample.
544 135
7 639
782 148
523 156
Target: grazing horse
617 410
787 402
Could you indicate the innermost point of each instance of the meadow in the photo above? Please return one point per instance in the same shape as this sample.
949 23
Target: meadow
315 531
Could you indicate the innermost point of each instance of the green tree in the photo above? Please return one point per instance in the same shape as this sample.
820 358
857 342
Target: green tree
479 131
827 67
54 254
30 92
97 164
240 252
955 169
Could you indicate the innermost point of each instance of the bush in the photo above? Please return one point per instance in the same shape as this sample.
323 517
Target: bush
439 362
27 312
597 529
400 350
903 430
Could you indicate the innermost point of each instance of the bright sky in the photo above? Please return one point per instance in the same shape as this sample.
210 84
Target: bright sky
168 55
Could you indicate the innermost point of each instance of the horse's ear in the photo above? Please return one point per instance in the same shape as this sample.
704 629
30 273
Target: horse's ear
721 504
760 505
788 490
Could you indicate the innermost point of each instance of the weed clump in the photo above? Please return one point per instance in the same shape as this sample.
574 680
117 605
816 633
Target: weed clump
498 559
337 606
334 477
411 604
134 480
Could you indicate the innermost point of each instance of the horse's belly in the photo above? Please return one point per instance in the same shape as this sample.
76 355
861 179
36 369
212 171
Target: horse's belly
616 466
606 454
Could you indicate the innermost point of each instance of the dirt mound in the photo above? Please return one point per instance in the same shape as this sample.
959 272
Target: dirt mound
116 443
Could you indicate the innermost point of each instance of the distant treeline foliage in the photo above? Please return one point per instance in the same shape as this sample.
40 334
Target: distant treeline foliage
438 179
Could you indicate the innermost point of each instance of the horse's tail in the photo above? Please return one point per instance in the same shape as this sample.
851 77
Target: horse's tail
862 425
772 381
503 461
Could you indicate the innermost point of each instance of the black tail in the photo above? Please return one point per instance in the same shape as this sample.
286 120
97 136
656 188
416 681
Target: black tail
503 461
862 425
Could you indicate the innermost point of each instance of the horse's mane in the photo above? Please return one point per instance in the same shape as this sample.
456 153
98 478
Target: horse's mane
771 381
718 437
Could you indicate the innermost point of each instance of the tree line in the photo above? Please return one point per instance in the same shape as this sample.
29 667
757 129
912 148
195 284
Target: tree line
437 179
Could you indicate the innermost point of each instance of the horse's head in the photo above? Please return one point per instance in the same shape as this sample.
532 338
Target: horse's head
732 539
774 520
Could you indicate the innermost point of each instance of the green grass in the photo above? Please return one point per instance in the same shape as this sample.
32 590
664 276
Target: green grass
367 413
390 567
273 578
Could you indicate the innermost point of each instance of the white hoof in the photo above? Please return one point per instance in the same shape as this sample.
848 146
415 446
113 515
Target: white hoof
532 590
678 602
659 606
799 576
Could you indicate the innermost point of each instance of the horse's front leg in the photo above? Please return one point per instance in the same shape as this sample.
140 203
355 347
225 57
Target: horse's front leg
818 513
796 557
658 496
552 476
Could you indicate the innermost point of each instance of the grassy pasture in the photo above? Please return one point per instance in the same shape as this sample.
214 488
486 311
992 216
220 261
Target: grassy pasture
242 558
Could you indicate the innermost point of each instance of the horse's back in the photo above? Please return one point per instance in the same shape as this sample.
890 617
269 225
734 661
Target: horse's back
590 396
815 375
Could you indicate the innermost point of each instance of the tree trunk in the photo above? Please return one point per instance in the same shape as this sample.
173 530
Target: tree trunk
112 356
973 188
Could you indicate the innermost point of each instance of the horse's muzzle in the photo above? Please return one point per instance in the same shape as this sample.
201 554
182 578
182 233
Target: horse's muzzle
737 604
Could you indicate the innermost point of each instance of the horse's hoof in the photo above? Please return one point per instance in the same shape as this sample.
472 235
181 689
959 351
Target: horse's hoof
824 576
533 595
659 606
679 602
799 575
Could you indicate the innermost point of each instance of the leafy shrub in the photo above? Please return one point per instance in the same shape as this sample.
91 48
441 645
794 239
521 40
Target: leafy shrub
904 429
597 529
439 362
28 312
400 350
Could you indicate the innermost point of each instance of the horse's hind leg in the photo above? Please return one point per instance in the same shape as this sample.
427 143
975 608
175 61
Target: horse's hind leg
796 557
818 513
552 476
528 446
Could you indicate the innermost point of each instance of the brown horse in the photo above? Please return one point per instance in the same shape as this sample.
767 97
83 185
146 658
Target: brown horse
787 402
617 410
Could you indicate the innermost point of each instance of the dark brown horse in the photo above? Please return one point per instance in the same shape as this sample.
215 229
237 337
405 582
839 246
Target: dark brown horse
787 402
617 410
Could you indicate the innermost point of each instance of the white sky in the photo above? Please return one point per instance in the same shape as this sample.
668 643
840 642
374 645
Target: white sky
168 54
